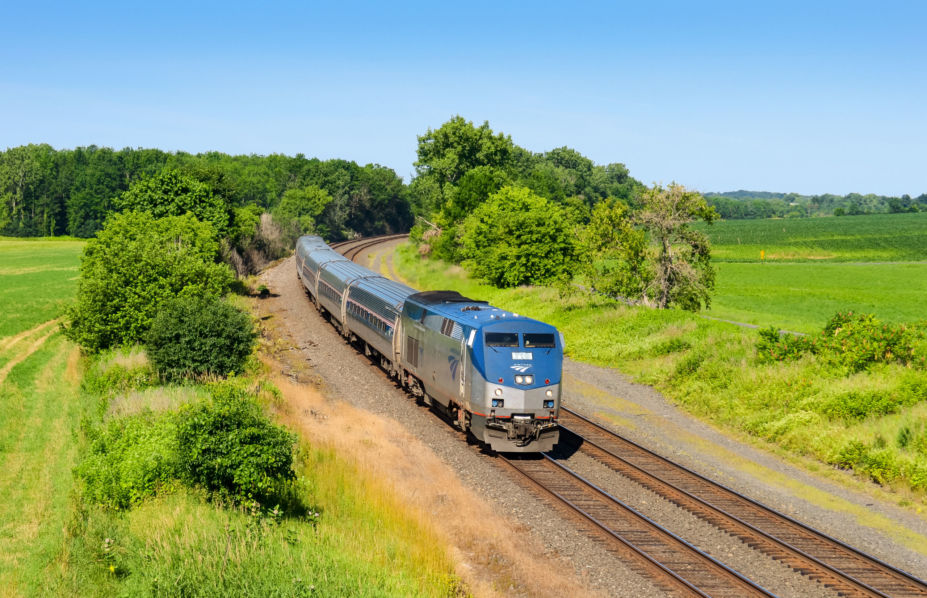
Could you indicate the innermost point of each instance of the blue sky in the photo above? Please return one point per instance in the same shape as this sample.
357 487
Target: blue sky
805 97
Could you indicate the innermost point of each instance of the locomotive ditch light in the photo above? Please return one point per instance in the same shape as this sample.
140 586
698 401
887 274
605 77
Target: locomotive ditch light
498 392
549 392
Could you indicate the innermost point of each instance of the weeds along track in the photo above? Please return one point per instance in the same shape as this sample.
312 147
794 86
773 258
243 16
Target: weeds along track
807 551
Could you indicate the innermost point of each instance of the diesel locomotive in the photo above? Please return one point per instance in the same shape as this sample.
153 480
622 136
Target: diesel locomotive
495 374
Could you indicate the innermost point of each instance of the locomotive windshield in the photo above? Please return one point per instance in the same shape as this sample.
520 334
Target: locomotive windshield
539 340
501 339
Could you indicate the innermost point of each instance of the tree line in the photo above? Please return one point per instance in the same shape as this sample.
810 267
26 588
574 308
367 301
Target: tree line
49 192
515 217
742 205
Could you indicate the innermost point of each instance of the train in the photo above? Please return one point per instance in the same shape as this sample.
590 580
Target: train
494 374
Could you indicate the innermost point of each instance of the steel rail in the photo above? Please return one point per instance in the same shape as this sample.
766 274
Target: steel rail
808 551
668 557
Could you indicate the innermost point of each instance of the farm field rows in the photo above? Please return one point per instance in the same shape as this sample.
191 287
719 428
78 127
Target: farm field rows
816 267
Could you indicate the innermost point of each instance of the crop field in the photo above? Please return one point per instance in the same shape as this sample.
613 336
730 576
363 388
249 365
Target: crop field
815 267
872 238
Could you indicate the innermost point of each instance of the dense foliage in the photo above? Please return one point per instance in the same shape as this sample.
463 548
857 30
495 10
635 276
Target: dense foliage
461 165
223 444
853 342
134 266
228 445
172 193
197 336
517 237
514 217
44 191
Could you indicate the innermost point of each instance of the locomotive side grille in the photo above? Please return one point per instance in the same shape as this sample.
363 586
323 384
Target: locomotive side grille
412 350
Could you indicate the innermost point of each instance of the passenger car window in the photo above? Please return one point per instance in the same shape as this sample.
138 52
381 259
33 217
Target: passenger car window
501 339
539 340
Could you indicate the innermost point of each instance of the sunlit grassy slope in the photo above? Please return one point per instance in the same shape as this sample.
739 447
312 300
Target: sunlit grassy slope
52 543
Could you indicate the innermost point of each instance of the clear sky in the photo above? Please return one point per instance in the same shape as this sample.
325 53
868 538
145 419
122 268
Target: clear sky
810 97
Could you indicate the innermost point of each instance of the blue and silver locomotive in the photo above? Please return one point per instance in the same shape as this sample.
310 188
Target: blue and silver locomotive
496 374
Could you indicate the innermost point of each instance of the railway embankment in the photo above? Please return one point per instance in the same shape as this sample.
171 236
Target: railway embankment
861 513
317 355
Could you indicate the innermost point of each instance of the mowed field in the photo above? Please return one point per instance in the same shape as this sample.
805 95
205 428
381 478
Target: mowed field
812 268
39 410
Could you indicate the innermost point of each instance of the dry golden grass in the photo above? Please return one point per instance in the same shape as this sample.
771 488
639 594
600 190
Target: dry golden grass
492 556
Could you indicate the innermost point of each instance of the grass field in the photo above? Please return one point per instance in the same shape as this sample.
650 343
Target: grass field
815 267
873 238
53 543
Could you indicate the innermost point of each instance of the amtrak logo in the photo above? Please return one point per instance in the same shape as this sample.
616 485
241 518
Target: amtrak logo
521 368
454 365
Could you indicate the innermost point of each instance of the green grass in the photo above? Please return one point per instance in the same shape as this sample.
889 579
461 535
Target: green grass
801 296
815 267
710 369
873 238
365 542
39 414
39 276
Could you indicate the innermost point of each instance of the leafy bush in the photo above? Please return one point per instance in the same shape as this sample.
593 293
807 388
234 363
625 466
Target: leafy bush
853 342
773 346
228 446
129 459
192 336
516 237
133 266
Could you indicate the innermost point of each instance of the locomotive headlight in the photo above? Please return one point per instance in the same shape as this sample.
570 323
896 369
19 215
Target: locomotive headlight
549 392
519 379
529 379
498 392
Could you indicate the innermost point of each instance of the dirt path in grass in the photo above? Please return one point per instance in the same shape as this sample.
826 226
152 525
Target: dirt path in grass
856 512
20 356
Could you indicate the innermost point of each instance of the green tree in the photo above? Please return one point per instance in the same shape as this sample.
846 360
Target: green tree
135 264
172 193
614 252
299 209
683 275
517 237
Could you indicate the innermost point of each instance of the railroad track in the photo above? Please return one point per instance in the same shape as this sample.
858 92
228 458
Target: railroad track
807 551
353 248
675 565
671 562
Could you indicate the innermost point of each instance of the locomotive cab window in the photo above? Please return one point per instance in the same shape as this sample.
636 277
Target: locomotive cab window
501 339
535 340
